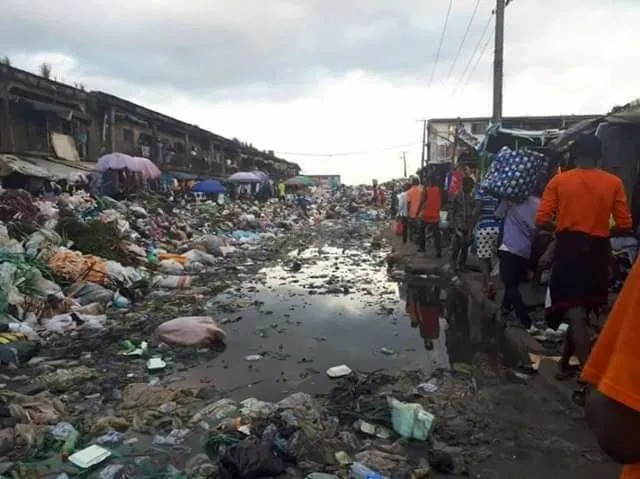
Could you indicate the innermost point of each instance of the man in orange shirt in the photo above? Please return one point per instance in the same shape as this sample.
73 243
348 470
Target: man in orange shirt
414 197
430 212
613 368
582 201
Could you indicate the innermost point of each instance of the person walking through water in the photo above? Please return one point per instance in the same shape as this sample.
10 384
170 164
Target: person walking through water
582 201
430 212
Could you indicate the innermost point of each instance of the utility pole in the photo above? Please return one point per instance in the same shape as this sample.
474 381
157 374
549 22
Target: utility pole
424 143
498 63
404 163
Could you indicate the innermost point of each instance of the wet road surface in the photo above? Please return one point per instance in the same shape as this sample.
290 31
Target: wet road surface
286 328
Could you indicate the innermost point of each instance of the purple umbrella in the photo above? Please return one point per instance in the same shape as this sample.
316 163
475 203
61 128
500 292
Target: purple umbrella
115 161
120 161
146 167
244 177
262 176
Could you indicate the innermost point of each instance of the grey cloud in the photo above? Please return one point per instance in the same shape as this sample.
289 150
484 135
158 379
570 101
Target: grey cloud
225 50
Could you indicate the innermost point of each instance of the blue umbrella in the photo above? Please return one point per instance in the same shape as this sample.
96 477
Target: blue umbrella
210 187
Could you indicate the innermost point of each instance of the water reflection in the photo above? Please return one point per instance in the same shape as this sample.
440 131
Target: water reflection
451 327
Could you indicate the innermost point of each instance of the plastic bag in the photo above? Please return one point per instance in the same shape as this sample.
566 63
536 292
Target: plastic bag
197 256
252 459
191 331
173 282
171 268
410 420
64 322
513 174
45 288
89 293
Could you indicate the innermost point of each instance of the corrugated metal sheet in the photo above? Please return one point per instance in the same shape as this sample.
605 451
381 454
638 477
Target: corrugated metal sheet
59 170
42 167
13 164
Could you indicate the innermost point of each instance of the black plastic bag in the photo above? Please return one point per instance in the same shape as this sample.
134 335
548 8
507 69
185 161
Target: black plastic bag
253 458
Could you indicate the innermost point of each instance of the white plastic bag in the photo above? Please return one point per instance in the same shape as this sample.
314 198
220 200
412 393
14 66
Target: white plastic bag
170 267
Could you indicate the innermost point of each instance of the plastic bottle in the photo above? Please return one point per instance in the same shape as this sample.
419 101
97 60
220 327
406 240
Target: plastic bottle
69 446
360 471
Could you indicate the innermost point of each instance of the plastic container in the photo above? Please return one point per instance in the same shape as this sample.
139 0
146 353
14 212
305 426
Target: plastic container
360 471
89 456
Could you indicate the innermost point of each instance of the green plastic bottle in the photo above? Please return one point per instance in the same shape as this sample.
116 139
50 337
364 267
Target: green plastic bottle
69 445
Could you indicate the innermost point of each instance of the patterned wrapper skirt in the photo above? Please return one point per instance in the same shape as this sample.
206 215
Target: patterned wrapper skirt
487 242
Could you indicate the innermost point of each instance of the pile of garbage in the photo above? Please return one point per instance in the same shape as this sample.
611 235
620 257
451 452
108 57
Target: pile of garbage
172 432
76 279
73 261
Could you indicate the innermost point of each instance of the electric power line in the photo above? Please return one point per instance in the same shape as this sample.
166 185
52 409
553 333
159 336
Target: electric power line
476 48
475 65
464 39
350 153
463 86
444 31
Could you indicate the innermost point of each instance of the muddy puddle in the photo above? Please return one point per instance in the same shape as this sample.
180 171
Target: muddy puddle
324 307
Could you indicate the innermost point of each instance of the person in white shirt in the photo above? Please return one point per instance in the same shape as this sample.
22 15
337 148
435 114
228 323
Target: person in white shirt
403 212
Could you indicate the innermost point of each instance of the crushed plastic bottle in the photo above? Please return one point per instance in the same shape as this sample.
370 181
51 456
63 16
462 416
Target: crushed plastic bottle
360 471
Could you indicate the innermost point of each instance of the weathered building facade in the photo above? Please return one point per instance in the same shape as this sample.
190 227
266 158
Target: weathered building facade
48 118
122 126
42 116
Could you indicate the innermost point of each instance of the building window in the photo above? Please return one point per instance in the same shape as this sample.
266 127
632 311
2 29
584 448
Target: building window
127 135
127 141
479 128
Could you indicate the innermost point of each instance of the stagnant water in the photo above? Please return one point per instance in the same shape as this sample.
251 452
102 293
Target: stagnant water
288 326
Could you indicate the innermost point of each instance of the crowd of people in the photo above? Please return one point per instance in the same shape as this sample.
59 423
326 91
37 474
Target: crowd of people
564 228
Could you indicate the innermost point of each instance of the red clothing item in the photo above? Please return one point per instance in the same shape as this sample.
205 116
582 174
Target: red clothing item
431 212
429 321
414 196
584 200
456 182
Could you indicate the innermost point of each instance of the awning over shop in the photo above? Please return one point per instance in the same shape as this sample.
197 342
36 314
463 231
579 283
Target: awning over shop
12 164
467 138
63 112
569 135
631 114
61 171
497 137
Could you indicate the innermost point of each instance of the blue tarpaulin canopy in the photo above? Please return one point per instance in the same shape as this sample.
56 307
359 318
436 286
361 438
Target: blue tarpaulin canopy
210 187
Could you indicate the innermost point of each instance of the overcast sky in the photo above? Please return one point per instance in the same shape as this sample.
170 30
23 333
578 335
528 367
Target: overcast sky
330 77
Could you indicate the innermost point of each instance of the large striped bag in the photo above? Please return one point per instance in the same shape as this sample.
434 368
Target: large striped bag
513 174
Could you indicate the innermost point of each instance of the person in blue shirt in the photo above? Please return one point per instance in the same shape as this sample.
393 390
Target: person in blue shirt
486 236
